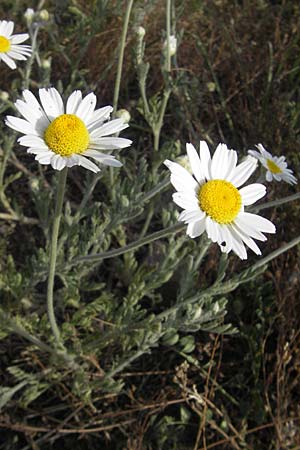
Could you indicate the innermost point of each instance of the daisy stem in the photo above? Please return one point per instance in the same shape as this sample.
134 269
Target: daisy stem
31 59
158 126
53 252
168 29
278 202
133 246
12 325
118 81
121 56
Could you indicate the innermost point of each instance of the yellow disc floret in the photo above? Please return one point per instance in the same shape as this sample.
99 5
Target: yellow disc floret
66 135
273 167
4 44
220 200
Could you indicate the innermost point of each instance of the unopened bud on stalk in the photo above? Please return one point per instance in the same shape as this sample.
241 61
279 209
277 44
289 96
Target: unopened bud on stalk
173 45
123 114
141 32
46 64
29 14
4 96
44 15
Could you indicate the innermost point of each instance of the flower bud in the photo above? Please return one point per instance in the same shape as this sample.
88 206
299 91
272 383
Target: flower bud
141 32
29 14
123 114
46 64
173 44
44 15
4 96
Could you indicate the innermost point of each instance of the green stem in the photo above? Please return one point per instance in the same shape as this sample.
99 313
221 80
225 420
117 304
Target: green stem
230 285
158 126
168 29
280 201
147 221
133 246
31 59
121 56
53 252
118 83
14 327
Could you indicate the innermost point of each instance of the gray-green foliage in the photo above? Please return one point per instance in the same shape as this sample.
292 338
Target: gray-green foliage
111 310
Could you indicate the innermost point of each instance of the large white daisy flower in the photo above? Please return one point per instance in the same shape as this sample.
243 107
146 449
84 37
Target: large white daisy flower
65 136
276 165
10 47
212 201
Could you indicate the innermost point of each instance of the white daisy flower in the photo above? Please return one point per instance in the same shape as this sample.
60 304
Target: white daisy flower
10 47
64 136
212 201
276 165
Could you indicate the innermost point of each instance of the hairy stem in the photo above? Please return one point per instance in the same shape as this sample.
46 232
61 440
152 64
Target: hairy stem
133 246
53 252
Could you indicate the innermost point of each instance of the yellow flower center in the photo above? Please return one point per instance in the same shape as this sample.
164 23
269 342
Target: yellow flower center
273 167
66 135
4 44
220 200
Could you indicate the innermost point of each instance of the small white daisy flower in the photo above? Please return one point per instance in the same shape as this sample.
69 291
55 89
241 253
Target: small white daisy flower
212 201
276 165
10 47
64 136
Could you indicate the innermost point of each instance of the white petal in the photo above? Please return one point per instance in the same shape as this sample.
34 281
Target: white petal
52 102
243 171
269 176
108 160
3 24
259 223
72 161
195 163
58 162
180 184
19 38
212 229
44 158
191 216
87 164
21 50
114 126
30 140
11 64
243 224
195 229
73 101
185 201
219 162
7 28
110 143
232 161
247 240
86 107
183 174
20 125
251 193
205 159
255 154
264 153
16 55
35 116
99 115
38 150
